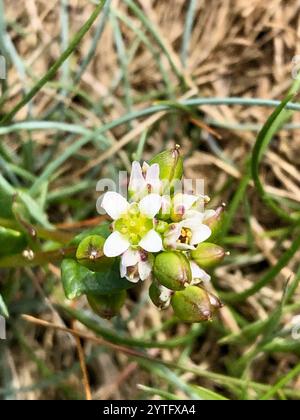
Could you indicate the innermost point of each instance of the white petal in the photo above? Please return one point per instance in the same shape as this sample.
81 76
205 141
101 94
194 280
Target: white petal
184 200
145 269
133 279
172 235
200 234
180 246
193 223
114 204
150 205
165 294
151 242
130 257
123 270
165 205
115 245
208 214
194 214
137 181
152 178
145 167
198 273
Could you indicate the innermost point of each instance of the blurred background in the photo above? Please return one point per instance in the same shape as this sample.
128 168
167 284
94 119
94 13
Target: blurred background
72 133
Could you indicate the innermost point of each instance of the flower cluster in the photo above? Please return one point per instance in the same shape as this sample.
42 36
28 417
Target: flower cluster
161 235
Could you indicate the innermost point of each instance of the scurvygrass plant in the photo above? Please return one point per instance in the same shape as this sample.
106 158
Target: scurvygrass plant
160 236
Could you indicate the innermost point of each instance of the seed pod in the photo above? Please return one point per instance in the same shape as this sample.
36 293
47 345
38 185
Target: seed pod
160 295
90 254
172 270
170 164
107 306
192 305
207 255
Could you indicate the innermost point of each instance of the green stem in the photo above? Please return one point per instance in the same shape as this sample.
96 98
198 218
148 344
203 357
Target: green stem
114 338
37 258
42 233
269 276
270 128
281 383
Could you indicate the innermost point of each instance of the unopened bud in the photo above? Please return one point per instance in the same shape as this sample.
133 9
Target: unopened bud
107 306
215 222
207 254
170 164
90 254
172 270
214 301
160 295
192 305
161 226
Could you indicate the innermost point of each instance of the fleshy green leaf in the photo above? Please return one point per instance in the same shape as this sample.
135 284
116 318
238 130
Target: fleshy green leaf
73 278
12 241
78 280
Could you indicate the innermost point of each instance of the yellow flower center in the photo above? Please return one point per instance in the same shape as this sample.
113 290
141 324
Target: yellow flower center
185 236
133 225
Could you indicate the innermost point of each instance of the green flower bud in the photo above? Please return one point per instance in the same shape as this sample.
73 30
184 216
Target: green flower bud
161 226
107 306
160 295
192 305
90 254
172 270
214 301
215 223
207 255
170 164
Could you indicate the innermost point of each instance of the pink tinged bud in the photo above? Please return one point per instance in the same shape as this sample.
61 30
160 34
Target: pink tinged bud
207 255
215 222
215 301
177 213
194 304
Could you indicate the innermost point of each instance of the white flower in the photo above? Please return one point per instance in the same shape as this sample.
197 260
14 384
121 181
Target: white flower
164 296
183 203
133 224
135 265
198 275
187 234
144 180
